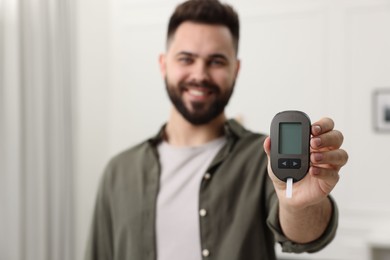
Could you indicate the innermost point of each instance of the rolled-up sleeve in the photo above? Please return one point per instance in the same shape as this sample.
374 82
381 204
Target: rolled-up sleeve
289 246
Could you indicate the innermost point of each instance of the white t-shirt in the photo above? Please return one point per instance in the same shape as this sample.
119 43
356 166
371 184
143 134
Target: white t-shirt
177 222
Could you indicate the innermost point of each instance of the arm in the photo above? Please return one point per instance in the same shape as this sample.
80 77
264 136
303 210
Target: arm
307 224
305 216
100 241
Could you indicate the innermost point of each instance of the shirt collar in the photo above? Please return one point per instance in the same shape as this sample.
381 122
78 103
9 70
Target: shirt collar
233 130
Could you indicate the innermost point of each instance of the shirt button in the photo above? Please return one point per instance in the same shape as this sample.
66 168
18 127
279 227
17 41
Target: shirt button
207 176
205 252
202 212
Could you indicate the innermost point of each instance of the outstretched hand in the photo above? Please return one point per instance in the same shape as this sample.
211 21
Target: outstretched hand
326 160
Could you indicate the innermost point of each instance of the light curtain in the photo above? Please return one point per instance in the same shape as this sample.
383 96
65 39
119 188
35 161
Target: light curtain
36 130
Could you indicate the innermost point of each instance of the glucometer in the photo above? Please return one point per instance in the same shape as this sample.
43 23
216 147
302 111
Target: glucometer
290 146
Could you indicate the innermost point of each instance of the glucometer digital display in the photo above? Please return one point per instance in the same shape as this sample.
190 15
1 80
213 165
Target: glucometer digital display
290 138
290 145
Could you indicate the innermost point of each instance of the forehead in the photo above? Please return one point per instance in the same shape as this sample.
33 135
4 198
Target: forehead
202 39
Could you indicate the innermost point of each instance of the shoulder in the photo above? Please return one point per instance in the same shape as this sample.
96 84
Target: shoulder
133 153
140 152
131 164
245 139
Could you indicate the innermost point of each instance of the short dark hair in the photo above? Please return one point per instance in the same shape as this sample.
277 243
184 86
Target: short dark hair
207 12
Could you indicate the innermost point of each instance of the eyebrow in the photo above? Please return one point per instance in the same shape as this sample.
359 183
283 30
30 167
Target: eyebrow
215 55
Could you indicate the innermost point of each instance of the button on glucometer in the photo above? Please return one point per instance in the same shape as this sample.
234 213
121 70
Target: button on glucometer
284 163
289 163
295 163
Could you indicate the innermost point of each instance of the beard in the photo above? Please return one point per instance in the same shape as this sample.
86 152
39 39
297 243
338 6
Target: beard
199 113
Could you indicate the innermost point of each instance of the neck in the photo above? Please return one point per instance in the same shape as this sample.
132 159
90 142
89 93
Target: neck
180 132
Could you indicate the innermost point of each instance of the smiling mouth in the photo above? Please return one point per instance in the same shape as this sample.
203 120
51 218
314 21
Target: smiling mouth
199 92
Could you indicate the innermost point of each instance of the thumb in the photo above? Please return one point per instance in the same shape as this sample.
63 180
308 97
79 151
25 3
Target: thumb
267 146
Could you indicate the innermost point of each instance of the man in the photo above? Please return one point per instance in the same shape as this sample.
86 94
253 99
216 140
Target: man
201 188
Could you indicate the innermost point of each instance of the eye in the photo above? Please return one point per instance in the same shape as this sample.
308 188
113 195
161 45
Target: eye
185 60
218 62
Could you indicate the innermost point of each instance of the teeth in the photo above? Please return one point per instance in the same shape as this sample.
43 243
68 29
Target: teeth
197 93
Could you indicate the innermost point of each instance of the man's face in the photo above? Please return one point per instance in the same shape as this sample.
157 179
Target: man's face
200 69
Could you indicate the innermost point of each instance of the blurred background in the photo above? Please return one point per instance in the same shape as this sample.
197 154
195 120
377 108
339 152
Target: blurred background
79 82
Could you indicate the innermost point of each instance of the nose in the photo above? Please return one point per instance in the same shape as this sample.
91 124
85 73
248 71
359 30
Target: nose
200 72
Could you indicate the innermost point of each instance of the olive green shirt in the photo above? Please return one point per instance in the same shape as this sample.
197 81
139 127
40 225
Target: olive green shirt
242 207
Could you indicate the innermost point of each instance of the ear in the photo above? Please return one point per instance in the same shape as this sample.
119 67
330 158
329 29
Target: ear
162 63
238 66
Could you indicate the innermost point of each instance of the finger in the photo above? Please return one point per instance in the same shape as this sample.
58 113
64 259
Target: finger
267 148
336 158
329 176
267 145
324 125
332 140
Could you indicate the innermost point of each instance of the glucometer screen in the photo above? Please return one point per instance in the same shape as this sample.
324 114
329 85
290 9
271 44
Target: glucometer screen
290 138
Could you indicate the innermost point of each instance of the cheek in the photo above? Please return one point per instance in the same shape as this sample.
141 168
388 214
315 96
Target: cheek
224 79
177 74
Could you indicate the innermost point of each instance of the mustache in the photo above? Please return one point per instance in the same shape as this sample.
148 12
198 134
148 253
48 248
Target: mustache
203 84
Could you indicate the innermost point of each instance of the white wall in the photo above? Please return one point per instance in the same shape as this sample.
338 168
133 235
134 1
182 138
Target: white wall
92 106
325 57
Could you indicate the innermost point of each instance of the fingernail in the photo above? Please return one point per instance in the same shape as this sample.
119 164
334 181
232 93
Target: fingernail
318 157
317 142
315 171
316 129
